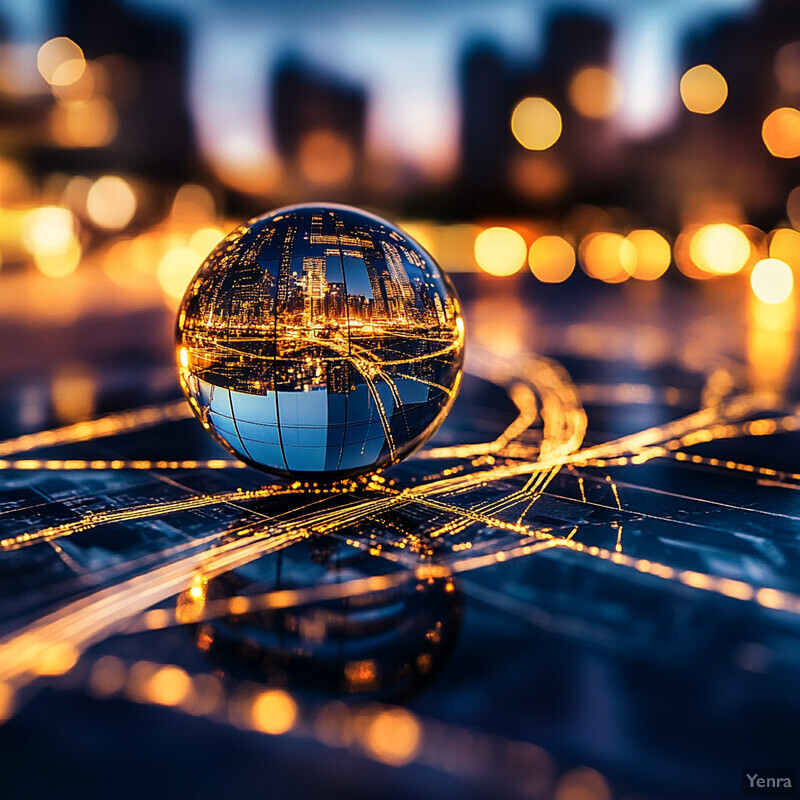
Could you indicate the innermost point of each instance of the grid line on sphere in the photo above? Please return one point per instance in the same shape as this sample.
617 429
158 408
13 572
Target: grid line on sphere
349 335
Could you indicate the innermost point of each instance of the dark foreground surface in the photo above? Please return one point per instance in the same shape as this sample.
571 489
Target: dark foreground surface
620 624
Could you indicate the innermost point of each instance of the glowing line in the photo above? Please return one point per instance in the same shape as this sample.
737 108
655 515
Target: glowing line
109 425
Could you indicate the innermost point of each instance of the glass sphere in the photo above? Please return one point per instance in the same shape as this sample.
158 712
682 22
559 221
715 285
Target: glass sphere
321 342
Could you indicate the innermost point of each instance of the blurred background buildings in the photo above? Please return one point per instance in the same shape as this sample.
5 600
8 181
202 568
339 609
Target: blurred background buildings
616 140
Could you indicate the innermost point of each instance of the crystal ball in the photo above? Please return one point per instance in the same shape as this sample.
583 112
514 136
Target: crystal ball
320 342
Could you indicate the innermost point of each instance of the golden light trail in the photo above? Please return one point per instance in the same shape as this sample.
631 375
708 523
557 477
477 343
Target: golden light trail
109 425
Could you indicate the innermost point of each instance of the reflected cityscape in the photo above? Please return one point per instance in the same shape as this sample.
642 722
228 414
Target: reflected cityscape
320 340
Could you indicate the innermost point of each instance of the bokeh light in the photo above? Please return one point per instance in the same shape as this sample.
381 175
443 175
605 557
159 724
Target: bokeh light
76 193
703 89
536 123
537 176
241 164
60 61
193 203
175 270
608 257
6 702
582 783
273 711
58 265
787 67
169 686
772 280
111 203
781 132
595 92
719 249
393 736
551 259
89 123
73 391
79 90
108 676
15 184
793 206
500 251
325 158
682 256
784 244
49 235
653 254
204 240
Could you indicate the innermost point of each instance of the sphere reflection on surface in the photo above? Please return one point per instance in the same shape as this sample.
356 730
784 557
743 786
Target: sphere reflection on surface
320 341
386 644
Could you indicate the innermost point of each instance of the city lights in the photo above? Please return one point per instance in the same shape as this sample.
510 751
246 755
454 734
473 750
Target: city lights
82 89
719 249
273 711
60 61
204 240
500 251
551 259
793 206
49 235
703 89
608 257
595 92
772 281
653 255
325 158
111 203
176 268
393 736
536 123
89 123
784 244
169 686
787 67
781 132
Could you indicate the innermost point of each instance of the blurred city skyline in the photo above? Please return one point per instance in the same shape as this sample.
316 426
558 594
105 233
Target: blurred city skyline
404 56
620 137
